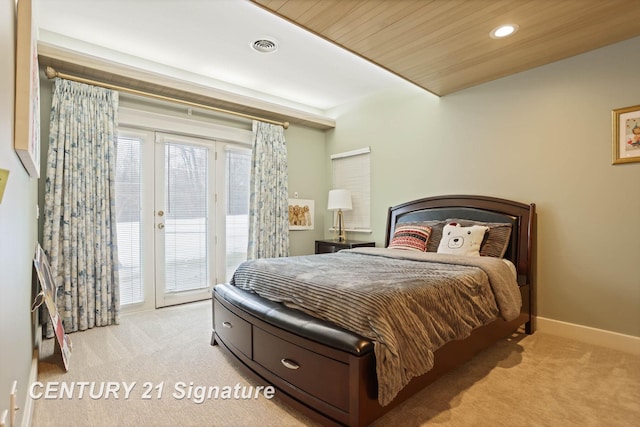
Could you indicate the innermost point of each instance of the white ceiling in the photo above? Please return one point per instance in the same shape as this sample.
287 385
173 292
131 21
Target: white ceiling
208 42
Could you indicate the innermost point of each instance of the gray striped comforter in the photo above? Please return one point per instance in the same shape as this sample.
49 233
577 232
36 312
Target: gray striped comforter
408 303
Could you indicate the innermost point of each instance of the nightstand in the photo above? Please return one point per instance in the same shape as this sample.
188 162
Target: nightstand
334 245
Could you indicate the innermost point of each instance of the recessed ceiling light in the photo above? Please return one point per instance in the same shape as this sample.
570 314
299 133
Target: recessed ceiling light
503 31
265 45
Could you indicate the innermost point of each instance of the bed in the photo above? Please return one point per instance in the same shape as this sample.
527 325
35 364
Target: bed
335 367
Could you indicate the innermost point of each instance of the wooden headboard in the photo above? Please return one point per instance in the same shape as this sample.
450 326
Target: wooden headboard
479 208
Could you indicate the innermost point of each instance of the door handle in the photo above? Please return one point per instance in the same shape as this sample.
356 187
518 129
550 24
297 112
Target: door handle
161 226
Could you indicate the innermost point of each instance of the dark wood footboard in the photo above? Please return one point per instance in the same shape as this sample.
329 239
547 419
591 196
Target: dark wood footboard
332 386
326 383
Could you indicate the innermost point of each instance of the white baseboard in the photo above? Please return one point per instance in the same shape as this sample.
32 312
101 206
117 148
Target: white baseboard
613 340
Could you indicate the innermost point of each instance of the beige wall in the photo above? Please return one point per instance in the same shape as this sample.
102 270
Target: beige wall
542 136
306 153
17 234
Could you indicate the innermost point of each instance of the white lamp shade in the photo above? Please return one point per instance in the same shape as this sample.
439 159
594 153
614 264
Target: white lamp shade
339 199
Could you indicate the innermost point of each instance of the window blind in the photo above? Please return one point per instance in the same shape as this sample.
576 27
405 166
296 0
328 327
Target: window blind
238 177
352 171
186 216
128 219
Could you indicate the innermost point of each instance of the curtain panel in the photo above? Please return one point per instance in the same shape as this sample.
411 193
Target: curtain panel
269 192
79 234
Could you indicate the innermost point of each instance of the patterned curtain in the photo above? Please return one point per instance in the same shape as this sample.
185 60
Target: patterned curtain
269 192
79 234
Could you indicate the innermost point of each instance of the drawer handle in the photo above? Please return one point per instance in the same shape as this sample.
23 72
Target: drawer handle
227 325
288 363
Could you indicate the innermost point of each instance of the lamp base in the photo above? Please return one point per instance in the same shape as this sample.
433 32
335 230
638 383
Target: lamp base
342 235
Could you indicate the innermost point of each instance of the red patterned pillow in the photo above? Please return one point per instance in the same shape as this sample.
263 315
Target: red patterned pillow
412 237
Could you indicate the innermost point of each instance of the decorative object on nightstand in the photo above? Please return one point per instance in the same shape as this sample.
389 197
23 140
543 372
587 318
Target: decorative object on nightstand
340 200
333 245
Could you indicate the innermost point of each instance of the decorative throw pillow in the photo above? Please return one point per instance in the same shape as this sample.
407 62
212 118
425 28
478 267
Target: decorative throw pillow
459 240
436 231
412 237
497 239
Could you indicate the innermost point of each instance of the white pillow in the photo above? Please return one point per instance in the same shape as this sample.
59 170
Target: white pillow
459 240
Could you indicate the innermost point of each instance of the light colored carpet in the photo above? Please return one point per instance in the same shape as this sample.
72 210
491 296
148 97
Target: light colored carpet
537 380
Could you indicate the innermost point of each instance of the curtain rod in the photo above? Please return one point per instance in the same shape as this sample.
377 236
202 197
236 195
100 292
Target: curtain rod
51 73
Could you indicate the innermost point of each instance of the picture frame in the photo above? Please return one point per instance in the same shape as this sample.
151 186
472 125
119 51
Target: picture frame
626 135
301 214
27 102
47 296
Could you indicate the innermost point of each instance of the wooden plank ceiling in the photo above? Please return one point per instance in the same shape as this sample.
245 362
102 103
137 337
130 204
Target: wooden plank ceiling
444 46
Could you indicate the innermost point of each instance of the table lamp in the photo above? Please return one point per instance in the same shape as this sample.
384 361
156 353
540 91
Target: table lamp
340 200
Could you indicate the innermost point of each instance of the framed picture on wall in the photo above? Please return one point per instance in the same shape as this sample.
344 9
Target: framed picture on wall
626 135
27 117
301 214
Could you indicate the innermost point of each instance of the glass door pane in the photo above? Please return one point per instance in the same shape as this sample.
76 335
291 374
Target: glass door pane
128 219
237 168
134 207
184 233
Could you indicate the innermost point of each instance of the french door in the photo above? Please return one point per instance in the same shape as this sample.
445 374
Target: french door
182 216
184 220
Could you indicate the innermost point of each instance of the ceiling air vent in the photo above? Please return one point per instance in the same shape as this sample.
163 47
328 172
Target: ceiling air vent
265 45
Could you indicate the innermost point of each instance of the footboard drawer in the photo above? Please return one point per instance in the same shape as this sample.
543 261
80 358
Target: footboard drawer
318 375
232 329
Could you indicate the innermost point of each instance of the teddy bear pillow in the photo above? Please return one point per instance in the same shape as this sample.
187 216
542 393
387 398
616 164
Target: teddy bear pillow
459 240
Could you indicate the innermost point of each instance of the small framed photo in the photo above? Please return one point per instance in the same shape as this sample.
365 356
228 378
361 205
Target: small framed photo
626 135
301 214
